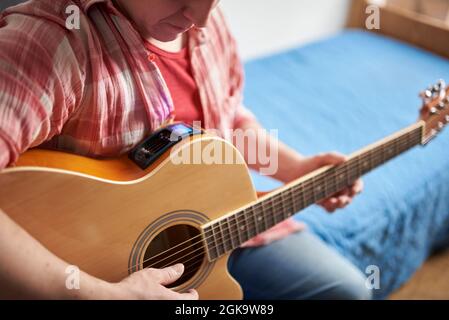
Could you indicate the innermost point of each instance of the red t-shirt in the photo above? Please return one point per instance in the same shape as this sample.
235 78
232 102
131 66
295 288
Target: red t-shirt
176 70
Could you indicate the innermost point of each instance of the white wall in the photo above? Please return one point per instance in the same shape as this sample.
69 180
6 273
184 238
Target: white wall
266 26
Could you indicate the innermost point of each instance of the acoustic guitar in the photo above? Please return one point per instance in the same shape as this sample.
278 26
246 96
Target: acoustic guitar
159 206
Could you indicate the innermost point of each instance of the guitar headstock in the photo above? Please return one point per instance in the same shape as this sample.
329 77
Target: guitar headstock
435 110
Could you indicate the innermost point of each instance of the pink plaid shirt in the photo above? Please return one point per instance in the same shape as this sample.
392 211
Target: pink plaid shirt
93 91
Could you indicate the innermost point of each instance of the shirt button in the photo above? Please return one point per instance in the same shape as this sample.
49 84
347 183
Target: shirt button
200 34
152 57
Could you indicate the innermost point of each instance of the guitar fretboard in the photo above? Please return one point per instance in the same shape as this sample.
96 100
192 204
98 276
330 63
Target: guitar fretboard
229 232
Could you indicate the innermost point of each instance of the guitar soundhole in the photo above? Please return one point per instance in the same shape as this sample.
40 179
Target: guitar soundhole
176 244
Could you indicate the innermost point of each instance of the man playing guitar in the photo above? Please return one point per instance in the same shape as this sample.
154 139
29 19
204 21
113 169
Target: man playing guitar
98 90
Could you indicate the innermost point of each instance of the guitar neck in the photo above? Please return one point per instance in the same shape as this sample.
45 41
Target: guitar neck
230 231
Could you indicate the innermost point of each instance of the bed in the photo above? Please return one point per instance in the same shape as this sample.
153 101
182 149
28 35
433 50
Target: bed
343 93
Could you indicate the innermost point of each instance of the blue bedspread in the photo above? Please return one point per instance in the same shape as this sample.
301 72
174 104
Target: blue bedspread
341 94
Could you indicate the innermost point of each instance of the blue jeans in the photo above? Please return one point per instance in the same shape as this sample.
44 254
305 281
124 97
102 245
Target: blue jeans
300 266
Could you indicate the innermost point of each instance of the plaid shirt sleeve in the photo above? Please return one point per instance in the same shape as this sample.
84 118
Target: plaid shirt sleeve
40 83
49 89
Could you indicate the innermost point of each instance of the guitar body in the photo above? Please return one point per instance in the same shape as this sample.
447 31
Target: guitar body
109 217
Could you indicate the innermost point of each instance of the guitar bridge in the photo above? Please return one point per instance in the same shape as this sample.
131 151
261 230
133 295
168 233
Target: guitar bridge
160 141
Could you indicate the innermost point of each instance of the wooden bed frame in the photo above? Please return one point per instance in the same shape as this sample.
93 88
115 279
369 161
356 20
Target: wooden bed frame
429 33
431 281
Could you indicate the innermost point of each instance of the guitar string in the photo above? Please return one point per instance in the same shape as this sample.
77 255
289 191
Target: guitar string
308 197
311 199
277 205
189 272
392 142
223 238
410 141
198 261
191 252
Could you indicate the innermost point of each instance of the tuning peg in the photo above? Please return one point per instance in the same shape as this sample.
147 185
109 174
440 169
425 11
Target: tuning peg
441 84
440 125
433 111
426 95
441 105
447 118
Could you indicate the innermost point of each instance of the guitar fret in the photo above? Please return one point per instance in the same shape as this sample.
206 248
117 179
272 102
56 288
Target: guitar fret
312 189
396 147
210 237
395 151
347 174
330 184
224 239
358 172
218 239
389 153
391 150
364 163
249 227
384 153
251 216
243 227
274 213
236 228
296 195
258 217
264 216
326 187
292 196
231 233
371 155
284 210
294 201
289 203
377 158
407 142
341 179
303 191
404 146
318 189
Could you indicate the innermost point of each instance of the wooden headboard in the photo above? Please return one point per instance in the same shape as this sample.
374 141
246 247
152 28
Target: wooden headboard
415 28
